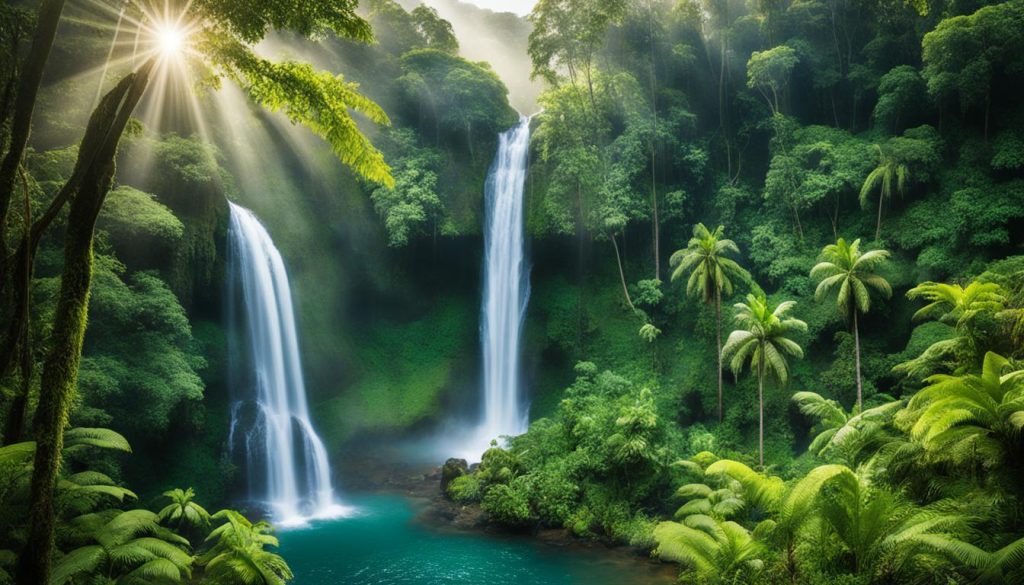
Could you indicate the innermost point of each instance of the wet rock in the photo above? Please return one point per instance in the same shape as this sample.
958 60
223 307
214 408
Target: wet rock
452 468
469 517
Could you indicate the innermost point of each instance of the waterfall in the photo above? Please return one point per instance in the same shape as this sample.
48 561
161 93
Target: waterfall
506 287
286 462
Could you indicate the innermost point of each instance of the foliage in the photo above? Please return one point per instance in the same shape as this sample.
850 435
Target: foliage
711 271
140 361
412 207
715 551
567 35
133 218
847 437
971 311
769 71
963 53
238 554
901 92
125 547
466 99
851 275
584 468
764 339
183 512
436 30
969 419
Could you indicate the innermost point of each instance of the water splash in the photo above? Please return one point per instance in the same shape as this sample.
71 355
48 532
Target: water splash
271 424
506 289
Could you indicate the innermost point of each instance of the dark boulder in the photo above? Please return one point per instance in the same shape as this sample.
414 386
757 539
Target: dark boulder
452 468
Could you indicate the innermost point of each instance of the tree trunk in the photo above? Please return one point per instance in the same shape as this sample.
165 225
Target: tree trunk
21 262
718 325
15 426
878 223
856 351
25 100
622 274
721 104
60 370
832 97
988 106
580 268
760 410
654 145
656 222
834 218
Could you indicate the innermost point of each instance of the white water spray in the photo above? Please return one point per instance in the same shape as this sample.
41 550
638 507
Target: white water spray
282 450
506 287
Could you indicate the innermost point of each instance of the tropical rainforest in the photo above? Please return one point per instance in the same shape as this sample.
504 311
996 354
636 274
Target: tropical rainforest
385 291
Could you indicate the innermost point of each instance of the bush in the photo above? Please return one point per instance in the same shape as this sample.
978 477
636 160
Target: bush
554 495
464 489
509 504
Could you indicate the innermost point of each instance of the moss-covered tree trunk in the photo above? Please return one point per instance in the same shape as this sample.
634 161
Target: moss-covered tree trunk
60 369
20 329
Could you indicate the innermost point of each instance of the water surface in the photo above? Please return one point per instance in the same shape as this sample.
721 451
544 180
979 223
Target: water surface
384 545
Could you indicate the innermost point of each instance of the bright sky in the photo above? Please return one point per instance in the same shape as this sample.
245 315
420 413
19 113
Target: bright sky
518 6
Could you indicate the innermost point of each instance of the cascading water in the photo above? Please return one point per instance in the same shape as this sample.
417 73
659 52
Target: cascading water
286 461
506 287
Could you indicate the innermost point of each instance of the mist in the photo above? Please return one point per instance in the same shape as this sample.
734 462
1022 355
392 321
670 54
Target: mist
499 38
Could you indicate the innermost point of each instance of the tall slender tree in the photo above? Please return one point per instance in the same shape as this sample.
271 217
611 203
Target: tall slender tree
851 275
711 273
764 341
890 177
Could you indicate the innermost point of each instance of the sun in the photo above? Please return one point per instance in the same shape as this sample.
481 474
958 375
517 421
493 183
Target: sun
170 40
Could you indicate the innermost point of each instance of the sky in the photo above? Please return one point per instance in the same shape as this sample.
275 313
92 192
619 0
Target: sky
521 7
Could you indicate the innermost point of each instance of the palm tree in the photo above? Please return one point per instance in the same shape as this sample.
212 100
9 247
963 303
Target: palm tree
888 174
124 548
238 553
955 305
716 551
971 418
882 535
958 307
717 496
711 273
184 514
788 510
847 436
763 341
850 274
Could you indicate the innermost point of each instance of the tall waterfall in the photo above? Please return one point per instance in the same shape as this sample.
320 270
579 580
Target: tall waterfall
286 461
506 287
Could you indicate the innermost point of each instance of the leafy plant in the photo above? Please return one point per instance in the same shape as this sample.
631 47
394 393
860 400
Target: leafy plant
764 342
